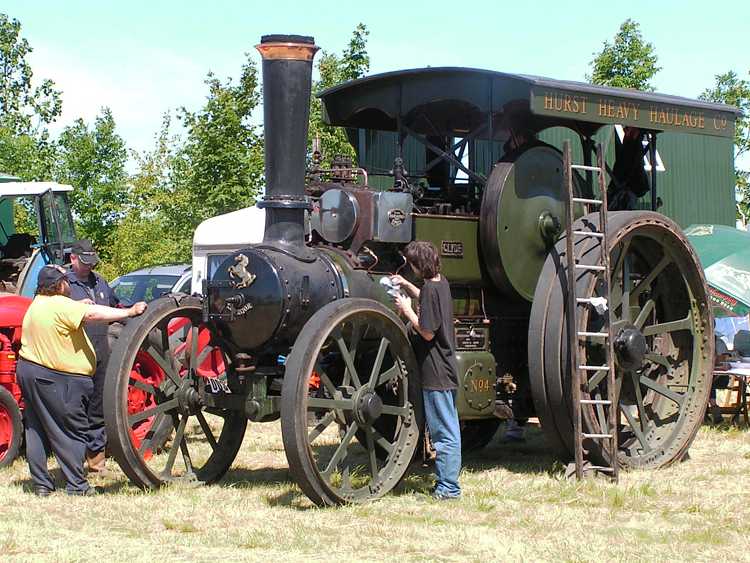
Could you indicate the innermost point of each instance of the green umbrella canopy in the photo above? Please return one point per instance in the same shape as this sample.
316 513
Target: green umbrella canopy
724 253
8 178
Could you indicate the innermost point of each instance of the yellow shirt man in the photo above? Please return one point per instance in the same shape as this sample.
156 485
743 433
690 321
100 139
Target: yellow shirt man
53 335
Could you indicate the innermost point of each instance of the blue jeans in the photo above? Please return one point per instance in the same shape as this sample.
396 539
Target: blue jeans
442 421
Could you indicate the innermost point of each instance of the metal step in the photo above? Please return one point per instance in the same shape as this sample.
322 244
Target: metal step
596 334
587 267
584 167
597 436
595 402
602 468
589 201
594 234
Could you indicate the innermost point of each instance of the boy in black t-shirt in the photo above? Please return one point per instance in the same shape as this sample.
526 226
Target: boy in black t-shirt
436 354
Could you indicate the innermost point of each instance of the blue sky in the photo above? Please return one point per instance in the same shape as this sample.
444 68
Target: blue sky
144 58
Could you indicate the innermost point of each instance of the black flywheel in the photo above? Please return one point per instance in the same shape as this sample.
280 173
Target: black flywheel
350 409
663 341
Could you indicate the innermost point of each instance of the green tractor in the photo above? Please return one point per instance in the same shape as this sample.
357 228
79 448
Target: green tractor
36 228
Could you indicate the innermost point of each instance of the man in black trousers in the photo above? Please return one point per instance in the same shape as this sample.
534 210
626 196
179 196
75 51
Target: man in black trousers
89 287
55 372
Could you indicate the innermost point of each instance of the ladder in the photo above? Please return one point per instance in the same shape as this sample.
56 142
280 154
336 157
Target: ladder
608 405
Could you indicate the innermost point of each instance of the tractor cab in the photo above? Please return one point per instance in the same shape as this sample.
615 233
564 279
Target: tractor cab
36 228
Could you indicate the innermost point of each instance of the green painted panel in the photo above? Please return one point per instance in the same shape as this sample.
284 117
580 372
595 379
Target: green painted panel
697 185
6 219
457 239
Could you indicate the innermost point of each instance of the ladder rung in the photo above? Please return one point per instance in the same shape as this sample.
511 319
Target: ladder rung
595 402
589 201
602 468
593 368
596 435
600 334
594 234
590 267
584 167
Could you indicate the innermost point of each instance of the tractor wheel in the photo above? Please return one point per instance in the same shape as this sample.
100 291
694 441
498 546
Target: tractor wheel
663 340
329 395
11 428
159 371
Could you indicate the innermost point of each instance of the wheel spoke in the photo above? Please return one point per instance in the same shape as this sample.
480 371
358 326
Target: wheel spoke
146 442
206 429
327 383
389 374
662 390
649 279
193 350
176 445
625 302
658 359
382 442
165 364
673 326
384 342
142 385
321 426
203 355
395 410
625 409
371 453
160 408
595 380
644 313
642 415
600 415
317 403
341 451
351 371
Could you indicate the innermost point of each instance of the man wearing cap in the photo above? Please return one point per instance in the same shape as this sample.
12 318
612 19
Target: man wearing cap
88 286
55 371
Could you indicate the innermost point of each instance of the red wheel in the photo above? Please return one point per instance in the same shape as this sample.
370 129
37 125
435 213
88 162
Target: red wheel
11 428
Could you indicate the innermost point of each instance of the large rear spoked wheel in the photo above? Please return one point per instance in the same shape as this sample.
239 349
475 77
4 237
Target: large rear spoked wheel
160 369
350 408
662 339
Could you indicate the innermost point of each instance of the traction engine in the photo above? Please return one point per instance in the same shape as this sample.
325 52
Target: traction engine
299 327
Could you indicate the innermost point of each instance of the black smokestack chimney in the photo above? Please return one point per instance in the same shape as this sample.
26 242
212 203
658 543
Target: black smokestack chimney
287 81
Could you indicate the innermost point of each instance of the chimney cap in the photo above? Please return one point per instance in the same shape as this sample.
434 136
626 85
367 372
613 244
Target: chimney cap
278 38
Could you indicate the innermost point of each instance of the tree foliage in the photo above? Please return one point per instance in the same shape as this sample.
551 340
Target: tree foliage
733 90
221 163
25 111
627 62
93 161
353 63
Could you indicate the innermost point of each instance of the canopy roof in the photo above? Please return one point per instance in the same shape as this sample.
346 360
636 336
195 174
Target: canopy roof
24 189
460 101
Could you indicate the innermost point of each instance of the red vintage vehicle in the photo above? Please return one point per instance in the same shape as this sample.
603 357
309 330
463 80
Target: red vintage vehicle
21 258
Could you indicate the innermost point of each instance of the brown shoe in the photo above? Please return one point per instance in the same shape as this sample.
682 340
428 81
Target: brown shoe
96 462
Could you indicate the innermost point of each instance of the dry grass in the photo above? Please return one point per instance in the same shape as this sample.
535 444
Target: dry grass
516 507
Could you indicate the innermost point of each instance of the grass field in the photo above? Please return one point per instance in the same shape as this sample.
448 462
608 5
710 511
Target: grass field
517 506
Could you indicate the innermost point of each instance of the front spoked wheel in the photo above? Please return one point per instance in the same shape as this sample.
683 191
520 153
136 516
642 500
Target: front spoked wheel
159 428
350 409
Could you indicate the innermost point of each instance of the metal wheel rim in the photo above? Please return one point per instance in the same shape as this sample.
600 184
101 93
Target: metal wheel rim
664 444
335 476
192 431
